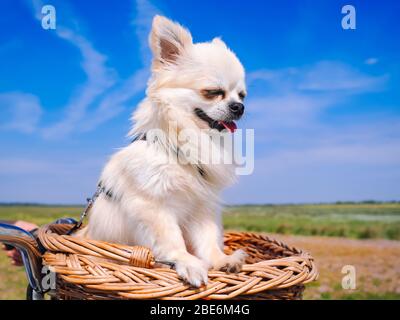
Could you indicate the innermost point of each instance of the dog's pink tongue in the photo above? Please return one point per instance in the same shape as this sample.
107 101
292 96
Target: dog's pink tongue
231 126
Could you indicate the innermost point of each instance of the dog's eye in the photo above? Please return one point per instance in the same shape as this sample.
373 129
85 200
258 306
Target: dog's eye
242 95
213 93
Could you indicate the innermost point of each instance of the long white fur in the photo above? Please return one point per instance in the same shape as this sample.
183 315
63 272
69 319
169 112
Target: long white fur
167 206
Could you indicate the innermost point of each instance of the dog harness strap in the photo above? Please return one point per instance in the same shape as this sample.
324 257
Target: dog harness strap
89 205
108 192
142 137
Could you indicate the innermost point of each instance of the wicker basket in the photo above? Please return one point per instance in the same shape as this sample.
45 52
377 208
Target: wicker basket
88 269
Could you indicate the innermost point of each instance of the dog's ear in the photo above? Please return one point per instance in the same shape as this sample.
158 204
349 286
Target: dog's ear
168 40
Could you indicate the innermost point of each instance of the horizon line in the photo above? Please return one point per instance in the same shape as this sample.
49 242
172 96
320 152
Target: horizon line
38 204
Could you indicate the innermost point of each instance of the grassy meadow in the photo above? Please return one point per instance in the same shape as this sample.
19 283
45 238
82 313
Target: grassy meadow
363 234
349 220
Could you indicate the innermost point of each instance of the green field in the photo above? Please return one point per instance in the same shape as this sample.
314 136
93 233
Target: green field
374 221
353 220
350 220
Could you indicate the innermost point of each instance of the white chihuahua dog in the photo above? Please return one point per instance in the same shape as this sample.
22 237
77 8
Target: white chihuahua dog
173 207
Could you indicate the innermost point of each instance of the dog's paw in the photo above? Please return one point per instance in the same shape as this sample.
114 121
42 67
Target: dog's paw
233 262
192 270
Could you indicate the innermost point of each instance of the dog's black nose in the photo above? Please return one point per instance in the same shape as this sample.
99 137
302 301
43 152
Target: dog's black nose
237 108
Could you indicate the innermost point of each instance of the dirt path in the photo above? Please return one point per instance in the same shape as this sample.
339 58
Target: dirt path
377 265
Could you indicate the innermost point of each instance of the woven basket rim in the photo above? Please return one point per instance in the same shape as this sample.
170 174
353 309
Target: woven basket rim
91 269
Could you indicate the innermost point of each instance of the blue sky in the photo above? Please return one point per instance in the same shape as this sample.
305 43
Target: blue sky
324 102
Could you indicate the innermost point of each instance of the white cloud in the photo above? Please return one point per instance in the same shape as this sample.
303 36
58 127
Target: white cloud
300 156
99 79
371 61
38 165
337 154
297 97
322 76
330 162
115 100
286 110
23 111
102 92
145 11
42 179
336 76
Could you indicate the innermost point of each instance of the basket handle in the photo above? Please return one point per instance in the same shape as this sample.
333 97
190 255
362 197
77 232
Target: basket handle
27 245
53 237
